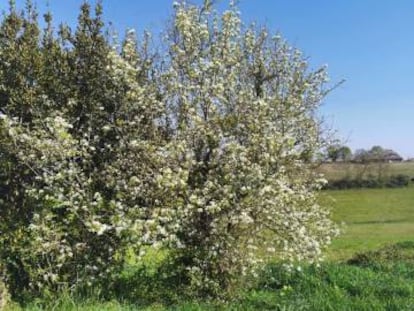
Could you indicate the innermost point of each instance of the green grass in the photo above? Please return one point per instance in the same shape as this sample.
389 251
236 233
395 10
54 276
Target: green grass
371 280
371 217
380 280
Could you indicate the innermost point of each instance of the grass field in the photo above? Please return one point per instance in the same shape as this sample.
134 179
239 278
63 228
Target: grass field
371 217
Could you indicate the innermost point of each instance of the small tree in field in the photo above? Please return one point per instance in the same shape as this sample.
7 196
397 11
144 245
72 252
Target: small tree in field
241 106
204 150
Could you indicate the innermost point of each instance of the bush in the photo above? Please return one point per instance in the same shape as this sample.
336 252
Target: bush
393 181
113 151
397 181
391 254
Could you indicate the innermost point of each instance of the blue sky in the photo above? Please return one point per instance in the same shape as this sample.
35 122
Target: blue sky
369 43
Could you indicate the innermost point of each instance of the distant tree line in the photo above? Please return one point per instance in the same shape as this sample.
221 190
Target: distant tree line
342 153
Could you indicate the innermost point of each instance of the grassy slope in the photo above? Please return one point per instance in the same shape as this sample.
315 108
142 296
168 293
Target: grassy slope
372 217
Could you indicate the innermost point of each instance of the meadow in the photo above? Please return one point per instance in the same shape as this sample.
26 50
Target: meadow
370 218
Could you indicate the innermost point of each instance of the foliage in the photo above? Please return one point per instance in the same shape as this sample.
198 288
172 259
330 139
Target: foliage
393 181
243 139
60 226
201 149
390 254
337 152
376 154
399 180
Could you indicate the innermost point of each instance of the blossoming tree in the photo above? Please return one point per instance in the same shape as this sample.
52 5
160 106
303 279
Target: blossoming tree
203 148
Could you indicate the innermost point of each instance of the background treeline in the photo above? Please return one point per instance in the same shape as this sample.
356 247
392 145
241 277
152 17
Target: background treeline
340 153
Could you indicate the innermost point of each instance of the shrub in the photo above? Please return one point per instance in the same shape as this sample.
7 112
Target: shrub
396 181
390 254
393 181
204 152
241 171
